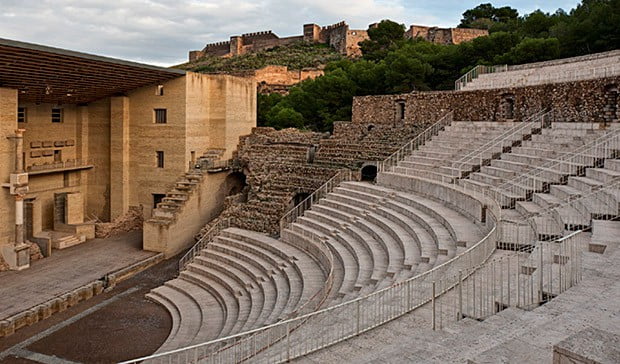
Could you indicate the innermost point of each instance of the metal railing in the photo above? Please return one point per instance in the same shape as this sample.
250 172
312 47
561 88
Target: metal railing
476 72
292 215
392 161
203 241
304 334
484 152
312 331
511 281
535 76
72 163
573 163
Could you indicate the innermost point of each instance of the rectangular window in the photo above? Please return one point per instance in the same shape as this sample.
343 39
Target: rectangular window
56 115
160 90
401 110
160 159
161 116
21 115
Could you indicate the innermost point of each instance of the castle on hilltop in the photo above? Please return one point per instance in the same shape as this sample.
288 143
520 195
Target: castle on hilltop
339 36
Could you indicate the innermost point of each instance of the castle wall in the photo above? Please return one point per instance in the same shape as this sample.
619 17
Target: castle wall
460 35
582 101
339 36
354 37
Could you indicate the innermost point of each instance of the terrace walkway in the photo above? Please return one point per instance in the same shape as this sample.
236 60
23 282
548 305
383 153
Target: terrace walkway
67 270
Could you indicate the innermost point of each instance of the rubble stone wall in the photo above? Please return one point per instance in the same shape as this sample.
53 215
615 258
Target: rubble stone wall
582 101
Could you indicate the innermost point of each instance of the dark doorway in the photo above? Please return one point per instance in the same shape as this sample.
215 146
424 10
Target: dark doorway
157 198
235 182
369 173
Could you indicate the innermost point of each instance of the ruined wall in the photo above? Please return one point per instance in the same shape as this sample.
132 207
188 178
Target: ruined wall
583 101
460 35
444 35
279 79
354 37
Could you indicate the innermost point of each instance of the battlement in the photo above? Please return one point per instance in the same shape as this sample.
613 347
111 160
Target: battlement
334 26
258 34
217 44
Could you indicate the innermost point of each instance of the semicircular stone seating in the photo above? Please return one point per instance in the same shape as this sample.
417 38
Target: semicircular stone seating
377 236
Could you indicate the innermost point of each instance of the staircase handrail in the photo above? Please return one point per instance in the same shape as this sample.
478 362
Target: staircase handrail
415 143
607 142
205 239
289 218
477 71
479 153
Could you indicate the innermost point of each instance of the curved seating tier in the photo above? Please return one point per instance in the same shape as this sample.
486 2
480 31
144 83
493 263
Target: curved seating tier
377 235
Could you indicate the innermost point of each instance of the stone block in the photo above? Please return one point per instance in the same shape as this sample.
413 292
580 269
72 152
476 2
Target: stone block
74 209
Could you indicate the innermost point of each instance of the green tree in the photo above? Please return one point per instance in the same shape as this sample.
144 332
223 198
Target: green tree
382 37
531 50
264 104
484 15
281 117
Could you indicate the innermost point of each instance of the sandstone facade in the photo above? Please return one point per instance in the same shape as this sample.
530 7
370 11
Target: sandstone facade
93 161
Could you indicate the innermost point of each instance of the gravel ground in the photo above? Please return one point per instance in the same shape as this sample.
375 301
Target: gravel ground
120 328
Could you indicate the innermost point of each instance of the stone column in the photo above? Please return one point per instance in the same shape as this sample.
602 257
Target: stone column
119 156
15 254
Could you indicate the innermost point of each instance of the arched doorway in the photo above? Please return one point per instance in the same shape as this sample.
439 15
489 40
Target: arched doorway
369 173
235 182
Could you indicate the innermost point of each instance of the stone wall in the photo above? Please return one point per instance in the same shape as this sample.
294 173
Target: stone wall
445 35
584 101
283 166
460 35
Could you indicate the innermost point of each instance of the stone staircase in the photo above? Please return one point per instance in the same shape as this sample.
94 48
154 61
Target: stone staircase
167 210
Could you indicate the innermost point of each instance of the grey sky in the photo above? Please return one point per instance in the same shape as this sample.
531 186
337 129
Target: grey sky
162 32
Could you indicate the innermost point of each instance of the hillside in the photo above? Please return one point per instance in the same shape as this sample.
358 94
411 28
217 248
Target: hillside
297 56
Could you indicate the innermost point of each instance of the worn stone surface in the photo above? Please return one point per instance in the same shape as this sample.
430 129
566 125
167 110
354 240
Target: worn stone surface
582 101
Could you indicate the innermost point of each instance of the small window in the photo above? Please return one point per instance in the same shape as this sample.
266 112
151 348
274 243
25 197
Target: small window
161 116
21 115
56 115
157 198
160 90
401 110
160 159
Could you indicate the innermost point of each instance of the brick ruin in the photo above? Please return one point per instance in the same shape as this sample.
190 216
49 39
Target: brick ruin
339 36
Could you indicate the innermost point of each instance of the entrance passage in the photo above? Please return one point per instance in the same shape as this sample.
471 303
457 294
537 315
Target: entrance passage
369 173
235 182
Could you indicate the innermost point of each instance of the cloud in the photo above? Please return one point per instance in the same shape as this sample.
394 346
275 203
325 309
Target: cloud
163 31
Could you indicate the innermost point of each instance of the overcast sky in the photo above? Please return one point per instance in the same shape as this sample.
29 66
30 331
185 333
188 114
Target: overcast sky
162 31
